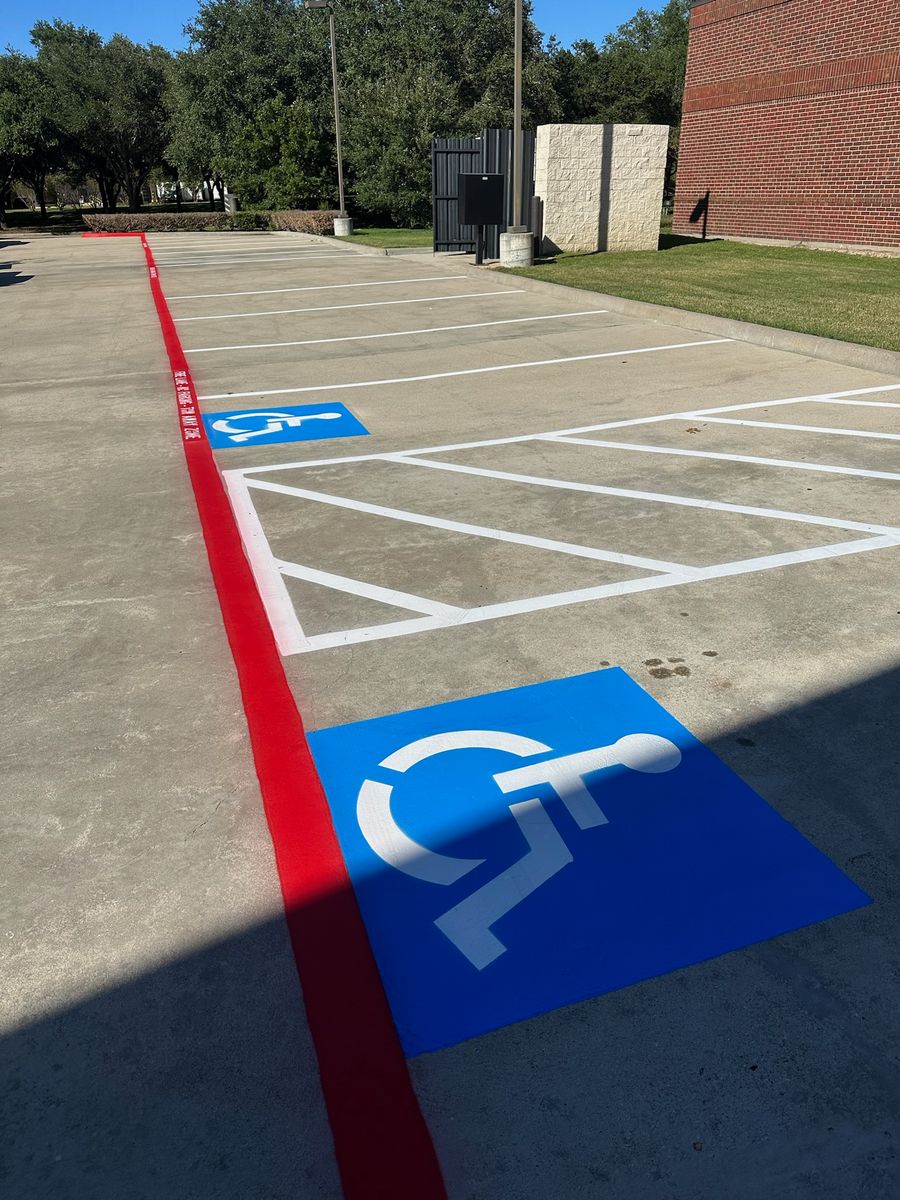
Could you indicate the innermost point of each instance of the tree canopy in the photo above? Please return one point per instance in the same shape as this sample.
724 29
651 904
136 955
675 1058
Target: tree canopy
248 103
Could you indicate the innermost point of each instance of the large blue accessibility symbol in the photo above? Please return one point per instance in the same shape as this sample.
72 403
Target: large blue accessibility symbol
523 850
291 423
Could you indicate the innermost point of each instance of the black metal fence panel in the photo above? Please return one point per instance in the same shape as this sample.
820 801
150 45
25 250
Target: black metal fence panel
490 153
451 157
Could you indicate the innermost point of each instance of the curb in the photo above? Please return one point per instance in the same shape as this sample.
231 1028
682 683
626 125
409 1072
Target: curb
378 251
850 354
375 1117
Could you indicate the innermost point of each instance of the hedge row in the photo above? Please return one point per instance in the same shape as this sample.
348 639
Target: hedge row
150 222
296 221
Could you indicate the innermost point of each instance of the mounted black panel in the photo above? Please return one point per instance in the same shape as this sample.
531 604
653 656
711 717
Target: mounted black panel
481 199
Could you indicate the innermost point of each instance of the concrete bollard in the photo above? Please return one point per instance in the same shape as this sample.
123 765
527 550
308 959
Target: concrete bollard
516 249
343 226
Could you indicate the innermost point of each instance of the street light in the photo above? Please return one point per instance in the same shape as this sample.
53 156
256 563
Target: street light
343 225
517 244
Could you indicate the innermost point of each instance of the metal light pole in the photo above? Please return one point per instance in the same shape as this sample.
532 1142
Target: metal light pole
343 225
517 226
517 244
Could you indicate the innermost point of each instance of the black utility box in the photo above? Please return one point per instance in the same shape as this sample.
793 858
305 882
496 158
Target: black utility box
481 199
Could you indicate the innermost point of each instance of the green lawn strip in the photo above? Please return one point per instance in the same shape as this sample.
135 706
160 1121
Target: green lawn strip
23 220
390 239
852 297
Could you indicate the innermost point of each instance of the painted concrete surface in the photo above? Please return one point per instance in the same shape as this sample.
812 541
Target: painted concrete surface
152 1040
768 1071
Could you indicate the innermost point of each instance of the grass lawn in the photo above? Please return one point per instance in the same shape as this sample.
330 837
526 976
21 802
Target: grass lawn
23 220
847 296
390 239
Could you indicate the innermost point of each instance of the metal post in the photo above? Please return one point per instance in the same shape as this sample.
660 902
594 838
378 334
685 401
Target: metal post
337 111
517 243
517 225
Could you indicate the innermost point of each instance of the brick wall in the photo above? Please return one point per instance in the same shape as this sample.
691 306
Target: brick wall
792 120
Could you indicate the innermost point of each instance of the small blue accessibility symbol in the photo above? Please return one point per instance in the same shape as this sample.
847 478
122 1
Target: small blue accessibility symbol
264 426
519 851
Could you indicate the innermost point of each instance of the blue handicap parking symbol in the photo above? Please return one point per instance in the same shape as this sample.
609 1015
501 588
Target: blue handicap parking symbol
523 850
287 423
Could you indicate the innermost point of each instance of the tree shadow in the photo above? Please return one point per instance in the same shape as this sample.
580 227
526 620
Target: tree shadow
8 274
669 241
776 1062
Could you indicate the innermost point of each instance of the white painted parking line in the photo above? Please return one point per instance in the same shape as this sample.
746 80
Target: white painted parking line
568 485
555 433
828 469
190 251
316 287
270 254
859 433
222 252
159 241
266 243
364 337
660 574
541 362
484 531
198 266
280 312
245 257
369 591
862 403
493 612
269 580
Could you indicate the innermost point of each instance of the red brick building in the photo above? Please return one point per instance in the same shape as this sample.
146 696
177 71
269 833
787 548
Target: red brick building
792 120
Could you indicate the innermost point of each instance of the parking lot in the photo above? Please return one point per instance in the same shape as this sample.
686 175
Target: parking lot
529 488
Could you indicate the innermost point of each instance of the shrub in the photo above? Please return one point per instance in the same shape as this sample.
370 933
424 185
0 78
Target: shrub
250 220
297 221
148 222
291 221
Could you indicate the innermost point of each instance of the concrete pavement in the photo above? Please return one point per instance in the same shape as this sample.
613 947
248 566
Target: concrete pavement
144 903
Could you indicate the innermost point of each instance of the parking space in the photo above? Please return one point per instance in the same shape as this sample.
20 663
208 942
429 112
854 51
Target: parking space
522 518
548 488
447 485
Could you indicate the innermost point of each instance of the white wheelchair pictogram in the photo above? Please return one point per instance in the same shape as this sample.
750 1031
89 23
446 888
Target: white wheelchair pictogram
275 422
468 923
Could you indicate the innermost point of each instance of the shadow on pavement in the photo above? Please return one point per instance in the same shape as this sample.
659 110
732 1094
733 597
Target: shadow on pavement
8 274
770 1073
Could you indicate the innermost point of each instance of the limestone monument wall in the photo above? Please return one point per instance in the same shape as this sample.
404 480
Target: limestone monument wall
600 185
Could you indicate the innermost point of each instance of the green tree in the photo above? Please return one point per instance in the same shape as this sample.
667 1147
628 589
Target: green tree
637 75
195 147
108 101
13 130
243 55
30 147
137 133
390 157
274 161
412 70
72 60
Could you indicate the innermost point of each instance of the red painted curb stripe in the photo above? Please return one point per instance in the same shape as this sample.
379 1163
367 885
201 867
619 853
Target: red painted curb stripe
382 1144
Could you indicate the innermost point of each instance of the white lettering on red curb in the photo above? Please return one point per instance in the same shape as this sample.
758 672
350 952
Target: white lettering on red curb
188 414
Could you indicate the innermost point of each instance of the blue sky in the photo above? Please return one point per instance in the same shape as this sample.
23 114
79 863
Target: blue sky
162 20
